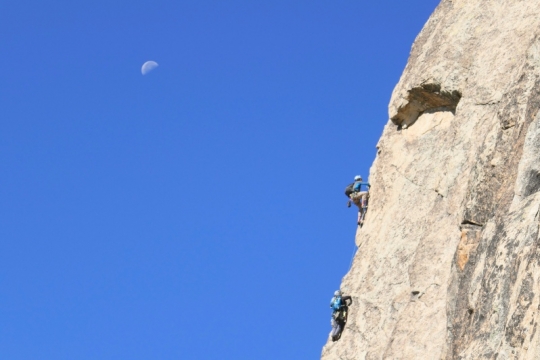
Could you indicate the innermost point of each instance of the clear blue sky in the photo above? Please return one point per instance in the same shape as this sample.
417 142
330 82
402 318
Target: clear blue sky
196 212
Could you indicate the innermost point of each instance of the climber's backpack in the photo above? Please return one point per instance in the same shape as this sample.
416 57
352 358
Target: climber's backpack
336 303
349 189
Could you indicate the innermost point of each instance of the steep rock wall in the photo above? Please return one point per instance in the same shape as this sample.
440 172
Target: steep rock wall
448 265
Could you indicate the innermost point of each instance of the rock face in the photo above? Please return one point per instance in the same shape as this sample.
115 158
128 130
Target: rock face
448 265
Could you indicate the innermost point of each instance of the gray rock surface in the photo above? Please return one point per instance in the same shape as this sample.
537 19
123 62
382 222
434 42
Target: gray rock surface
449 259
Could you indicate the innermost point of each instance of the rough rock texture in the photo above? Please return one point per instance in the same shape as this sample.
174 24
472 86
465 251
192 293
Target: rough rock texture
449 259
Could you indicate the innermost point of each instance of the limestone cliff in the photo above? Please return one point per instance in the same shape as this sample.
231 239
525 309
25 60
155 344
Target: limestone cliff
448 265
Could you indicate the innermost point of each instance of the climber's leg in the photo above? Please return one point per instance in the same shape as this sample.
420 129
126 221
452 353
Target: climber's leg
336 330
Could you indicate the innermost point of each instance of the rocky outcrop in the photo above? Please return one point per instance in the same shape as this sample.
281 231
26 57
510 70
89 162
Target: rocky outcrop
448 265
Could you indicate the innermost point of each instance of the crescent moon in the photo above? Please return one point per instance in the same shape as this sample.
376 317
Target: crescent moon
148 66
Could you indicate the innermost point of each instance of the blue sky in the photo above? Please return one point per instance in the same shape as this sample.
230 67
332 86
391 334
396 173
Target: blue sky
196 212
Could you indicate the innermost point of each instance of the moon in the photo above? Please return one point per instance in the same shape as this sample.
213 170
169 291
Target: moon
148 66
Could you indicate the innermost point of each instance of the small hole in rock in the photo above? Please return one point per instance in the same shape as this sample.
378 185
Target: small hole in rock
415 292
470 311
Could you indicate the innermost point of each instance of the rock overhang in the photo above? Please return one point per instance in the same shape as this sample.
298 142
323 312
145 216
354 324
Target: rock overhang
422 98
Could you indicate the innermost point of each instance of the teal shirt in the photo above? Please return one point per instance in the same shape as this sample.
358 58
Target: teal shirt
358 186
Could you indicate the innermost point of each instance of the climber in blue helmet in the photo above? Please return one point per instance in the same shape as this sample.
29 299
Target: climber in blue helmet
340 307
359 197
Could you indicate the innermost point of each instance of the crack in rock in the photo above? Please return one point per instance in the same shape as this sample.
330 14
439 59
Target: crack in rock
415 184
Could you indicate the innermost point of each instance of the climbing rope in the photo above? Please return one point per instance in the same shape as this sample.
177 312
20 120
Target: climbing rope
364 211
352 258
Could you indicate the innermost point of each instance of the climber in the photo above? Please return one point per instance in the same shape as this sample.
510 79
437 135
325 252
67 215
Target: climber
340 309
360 198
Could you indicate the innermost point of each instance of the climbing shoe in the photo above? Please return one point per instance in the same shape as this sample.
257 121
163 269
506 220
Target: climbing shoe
349 203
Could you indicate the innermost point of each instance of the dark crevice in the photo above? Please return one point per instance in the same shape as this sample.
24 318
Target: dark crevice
423 99
470 222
